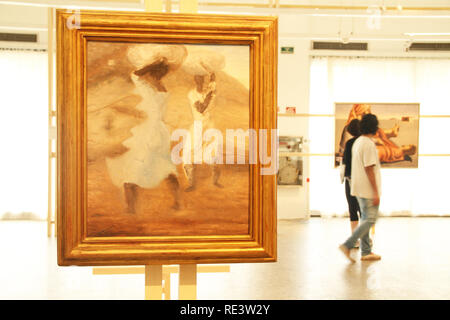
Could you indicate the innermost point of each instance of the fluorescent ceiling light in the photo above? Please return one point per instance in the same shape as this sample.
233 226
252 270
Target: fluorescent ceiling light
374 16
23 28
70 6
17 3
412 34
339 39
228 12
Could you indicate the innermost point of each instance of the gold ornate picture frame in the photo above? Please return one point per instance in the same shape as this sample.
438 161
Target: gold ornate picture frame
93 61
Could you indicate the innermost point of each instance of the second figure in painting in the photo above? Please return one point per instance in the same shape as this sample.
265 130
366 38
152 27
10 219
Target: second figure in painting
203 65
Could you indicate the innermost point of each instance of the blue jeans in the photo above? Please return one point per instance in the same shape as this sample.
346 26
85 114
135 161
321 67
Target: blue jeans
369 214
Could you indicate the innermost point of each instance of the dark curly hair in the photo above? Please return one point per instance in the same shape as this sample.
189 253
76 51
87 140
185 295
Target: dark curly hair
353 128
369 124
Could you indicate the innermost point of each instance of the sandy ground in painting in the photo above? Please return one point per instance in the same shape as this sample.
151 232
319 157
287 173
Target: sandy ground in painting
207 210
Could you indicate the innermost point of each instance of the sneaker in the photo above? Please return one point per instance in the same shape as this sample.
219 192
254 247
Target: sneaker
371 257
346 252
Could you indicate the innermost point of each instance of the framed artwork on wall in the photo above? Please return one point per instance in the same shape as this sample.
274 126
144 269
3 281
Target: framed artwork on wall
149 106
397 139
290 171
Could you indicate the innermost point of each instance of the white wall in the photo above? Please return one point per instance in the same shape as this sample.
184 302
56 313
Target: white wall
293 90
23 128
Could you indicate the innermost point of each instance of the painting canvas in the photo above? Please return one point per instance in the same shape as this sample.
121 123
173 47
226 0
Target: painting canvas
138 96
397 139
160 119
290 171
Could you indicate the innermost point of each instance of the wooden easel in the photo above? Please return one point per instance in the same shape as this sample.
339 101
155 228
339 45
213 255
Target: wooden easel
157 278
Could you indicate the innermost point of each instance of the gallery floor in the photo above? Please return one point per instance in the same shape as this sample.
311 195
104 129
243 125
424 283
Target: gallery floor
415 265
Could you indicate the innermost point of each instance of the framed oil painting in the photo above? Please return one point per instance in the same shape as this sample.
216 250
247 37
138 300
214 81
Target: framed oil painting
397 139
290 172
161 122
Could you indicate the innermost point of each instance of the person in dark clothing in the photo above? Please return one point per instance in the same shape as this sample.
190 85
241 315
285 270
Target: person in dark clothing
353 206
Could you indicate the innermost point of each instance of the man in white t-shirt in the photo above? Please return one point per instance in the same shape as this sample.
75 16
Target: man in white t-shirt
366 187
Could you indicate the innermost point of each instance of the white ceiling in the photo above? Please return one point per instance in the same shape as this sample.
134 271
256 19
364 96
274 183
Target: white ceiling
379 20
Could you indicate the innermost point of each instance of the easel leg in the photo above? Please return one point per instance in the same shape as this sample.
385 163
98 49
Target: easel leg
166 288
153 282
188 282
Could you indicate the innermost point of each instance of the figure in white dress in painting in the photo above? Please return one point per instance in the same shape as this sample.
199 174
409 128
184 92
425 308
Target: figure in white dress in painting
203 65
147 162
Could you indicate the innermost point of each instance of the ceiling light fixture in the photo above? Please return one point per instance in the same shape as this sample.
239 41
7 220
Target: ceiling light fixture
23 28
64 6
412 34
